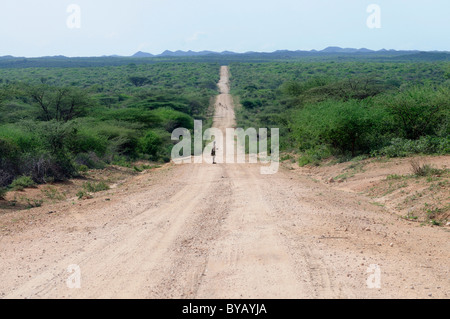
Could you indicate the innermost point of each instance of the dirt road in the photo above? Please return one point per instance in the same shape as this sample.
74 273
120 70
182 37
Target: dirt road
224 231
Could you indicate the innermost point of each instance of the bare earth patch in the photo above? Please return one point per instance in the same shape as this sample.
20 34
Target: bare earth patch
25 207
392 184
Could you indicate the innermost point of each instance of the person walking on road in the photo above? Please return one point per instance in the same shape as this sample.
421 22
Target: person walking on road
213 152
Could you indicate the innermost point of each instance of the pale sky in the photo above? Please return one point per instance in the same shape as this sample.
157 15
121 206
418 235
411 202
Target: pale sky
33 28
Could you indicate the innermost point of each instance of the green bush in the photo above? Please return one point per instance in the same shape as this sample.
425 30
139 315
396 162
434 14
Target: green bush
21 137
9 162
400 147
419 111
54 121
251 104
120 161
150 144
95 187
8 150
353 108
444 145
314 155
82 193
22 182
125 145
82 168
55 136
85 141
422 170
134 115
352 88
89 160
172 119
347 127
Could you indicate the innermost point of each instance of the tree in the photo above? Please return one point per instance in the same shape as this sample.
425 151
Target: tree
59 103
138 80
347 126
420 111
150 144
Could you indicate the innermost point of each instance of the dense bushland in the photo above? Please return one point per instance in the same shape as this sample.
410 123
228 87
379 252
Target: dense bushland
348 109
55 121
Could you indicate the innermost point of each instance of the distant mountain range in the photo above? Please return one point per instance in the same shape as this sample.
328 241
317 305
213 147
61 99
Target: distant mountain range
332 53
328 50
179 53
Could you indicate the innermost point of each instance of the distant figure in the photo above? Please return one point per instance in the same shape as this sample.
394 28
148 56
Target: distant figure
213 152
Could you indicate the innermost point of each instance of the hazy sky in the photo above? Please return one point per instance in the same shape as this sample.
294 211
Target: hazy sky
39 27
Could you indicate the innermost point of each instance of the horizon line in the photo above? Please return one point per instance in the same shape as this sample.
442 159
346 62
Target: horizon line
365 50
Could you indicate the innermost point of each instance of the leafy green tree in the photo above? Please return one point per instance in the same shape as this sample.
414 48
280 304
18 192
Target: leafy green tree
348 127
138 80
9 161
150 144
420 111
59 103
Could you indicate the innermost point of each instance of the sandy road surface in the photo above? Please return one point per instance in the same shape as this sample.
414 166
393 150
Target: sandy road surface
225 231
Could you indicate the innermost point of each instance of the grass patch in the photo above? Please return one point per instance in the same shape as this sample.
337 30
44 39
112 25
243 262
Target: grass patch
377 204
394 186
32 203
286 157
95 187
53 194
411 216
144 167
138 169
436 215
439 185
343 176
393 177
425 170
